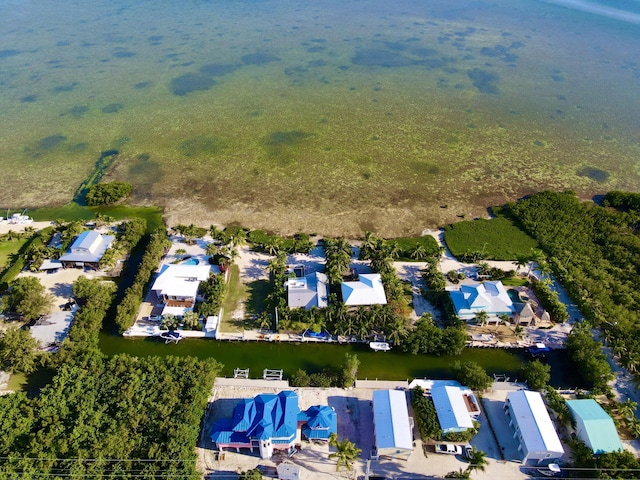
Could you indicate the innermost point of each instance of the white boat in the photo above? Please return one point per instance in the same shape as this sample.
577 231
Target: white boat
380 346
20 219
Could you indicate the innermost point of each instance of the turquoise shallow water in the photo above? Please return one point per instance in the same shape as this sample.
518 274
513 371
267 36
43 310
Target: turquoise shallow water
364 114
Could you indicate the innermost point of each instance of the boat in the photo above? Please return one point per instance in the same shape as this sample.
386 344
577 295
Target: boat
171 336
380 346
539 349
20 219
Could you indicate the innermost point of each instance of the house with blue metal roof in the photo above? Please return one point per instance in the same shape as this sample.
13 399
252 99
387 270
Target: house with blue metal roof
456 407
594 426
271 422
318 422
392 426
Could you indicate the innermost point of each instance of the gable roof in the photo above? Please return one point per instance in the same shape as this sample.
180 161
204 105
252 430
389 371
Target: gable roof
490 297
451 409
523 310
88 247
536 427
180 280
309 291
391 419
368 290
599 429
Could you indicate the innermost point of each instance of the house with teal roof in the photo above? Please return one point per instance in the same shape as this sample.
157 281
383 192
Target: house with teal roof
594 426
271 422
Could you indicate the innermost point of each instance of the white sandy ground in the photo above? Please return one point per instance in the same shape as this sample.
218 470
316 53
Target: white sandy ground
14 227
355 422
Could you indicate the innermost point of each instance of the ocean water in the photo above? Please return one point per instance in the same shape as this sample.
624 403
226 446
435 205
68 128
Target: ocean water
327 116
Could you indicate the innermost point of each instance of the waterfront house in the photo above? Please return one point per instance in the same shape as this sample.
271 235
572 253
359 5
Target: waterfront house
176 286
87 250
594 426
308 291
490 297
270 422
533 429
392 426
368 290
456 407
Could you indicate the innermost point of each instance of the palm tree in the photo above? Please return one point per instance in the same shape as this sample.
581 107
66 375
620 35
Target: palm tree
477 460
518 332
545 270
274 246
180 252
368 245
627 409
212 249
537 256
481 317
419 252
346 452
520 261
483 268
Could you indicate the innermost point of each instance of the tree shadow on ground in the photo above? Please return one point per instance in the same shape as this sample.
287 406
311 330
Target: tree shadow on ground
257 291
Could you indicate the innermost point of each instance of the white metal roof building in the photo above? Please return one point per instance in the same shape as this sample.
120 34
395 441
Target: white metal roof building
87 249
368 290
490 297
177 285
393 431
534 430
309 291
455 407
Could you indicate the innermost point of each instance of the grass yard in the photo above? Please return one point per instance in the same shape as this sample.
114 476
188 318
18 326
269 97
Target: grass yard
498 238
17 382
9 248
407 245
236 293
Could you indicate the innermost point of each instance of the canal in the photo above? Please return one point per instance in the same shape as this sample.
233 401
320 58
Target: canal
312 357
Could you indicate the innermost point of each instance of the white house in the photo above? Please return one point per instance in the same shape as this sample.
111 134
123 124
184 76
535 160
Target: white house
87 250
532 426
176 286
393 428
490 297
456 407
309 291
368 290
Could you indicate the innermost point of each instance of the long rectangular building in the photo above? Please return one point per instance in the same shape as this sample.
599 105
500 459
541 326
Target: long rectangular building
392 428
533 428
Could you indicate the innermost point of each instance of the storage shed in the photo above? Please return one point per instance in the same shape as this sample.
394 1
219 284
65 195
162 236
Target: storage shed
594 426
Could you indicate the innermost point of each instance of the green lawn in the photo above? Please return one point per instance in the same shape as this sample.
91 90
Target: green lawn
8 248
236 292
498 238
406 246
17 382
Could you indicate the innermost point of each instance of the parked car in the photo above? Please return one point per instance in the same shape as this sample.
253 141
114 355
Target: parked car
154 317
448 449
467 449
